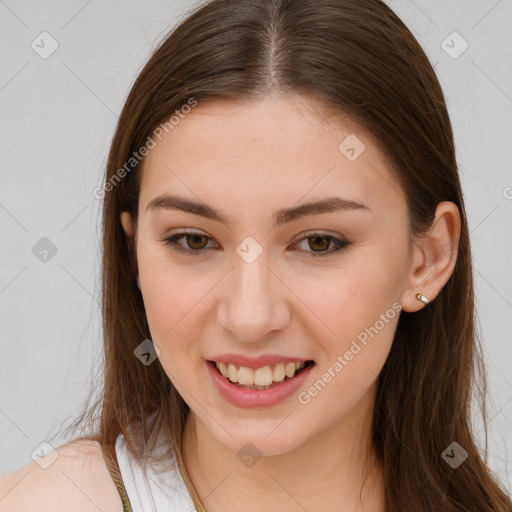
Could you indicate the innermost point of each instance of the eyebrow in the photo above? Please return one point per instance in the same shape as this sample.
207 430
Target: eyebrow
283 216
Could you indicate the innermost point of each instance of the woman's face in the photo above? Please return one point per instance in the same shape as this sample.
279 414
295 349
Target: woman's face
260 288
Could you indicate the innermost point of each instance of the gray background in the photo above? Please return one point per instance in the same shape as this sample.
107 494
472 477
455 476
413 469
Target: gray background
57 119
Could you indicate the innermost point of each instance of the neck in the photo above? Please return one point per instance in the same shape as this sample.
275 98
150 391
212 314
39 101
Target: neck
326 472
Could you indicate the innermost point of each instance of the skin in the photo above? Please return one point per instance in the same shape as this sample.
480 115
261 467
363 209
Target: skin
248 160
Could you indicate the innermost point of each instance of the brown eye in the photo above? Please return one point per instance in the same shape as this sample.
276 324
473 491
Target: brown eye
195 243
319 243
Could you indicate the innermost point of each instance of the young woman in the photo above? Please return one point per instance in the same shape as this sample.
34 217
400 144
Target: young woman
287 285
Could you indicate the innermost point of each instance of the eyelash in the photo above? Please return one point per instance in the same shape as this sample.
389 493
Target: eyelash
340 244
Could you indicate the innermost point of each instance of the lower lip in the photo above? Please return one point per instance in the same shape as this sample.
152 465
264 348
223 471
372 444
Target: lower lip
257 398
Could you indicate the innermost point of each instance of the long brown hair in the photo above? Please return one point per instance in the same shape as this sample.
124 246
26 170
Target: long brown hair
357 58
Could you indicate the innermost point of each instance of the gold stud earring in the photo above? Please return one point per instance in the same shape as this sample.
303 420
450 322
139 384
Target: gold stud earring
422 298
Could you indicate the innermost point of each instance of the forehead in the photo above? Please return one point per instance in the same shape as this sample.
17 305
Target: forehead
271 152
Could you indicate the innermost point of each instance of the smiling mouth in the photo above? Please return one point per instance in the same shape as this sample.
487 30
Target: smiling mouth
261 378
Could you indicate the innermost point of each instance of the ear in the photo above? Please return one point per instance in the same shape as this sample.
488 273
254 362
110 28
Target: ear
434 257
128 224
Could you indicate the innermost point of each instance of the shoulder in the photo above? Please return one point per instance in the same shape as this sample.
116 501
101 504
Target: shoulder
77 479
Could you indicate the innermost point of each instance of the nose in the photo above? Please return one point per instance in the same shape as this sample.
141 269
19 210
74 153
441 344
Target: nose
254 302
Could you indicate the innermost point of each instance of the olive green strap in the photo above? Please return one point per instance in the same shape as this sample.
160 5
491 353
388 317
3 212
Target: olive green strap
115 473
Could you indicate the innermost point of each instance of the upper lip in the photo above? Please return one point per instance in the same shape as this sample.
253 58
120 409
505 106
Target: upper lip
254 362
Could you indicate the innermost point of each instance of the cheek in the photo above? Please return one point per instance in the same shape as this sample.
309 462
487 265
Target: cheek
352 296
173 300
172 297
358 305
361 314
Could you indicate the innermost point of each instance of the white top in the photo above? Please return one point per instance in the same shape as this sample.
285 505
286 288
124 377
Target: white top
162 491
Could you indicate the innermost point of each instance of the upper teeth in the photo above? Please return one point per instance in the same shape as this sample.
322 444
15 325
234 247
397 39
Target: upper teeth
261 376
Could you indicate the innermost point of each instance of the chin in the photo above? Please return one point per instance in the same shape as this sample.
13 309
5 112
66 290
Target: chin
265 438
